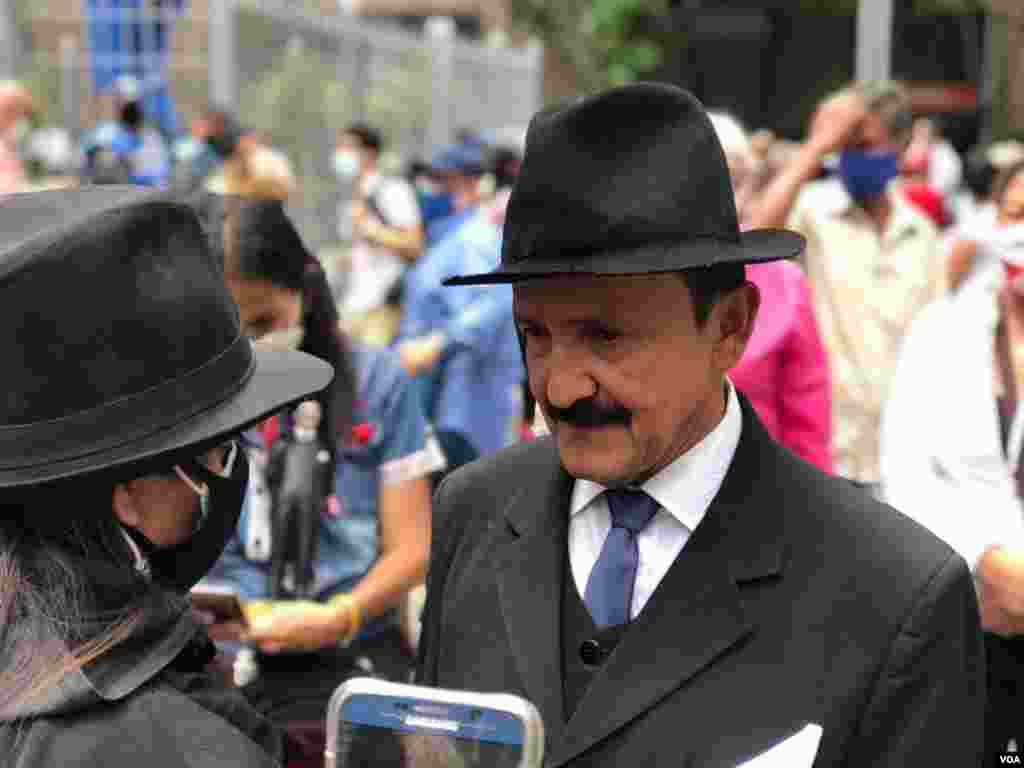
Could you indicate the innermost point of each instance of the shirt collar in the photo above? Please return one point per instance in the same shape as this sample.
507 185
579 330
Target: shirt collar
686 487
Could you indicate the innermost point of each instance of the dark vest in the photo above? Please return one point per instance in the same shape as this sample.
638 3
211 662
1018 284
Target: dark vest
584 647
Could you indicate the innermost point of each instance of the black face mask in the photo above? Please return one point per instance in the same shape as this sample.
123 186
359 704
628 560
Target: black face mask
179 567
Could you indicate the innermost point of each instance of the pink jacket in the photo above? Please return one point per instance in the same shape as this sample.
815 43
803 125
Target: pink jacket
784 370
12 174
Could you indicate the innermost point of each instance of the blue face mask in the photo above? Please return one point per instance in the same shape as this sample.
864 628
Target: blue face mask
866 174
434 205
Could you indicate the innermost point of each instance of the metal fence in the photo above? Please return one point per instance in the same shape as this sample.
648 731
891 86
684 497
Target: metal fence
297 77
305 76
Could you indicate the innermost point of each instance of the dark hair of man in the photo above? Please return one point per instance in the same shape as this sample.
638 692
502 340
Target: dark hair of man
891 102
132 116
979 173
1002 182
368 136
68 590
708 284
261 243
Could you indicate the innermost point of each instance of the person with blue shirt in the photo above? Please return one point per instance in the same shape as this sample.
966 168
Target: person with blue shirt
461 343
372 534
126 150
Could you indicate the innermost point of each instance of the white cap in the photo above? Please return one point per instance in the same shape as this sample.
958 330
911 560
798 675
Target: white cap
733 137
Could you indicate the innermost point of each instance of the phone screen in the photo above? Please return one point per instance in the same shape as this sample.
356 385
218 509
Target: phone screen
400 732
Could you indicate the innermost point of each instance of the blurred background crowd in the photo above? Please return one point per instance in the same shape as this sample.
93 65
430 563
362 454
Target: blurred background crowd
383 138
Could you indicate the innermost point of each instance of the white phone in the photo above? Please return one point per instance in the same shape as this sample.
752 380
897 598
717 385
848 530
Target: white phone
376 723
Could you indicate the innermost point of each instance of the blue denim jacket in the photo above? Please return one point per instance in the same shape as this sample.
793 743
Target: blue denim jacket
476 388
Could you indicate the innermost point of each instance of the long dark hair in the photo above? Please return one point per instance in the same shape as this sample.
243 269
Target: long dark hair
68 591
261 243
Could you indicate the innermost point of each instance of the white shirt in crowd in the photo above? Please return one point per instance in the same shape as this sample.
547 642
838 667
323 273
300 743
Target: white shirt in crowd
375 270
943 461
684 491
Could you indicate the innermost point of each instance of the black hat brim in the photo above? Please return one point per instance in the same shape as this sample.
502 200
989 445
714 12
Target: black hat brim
754 247
279 378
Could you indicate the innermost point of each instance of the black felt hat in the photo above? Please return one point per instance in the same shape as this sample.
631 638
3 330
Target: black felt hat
630 181
120 341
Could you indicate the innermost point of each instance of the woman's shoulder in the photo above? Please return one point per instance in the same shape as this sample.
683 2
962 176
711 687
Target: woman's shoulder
148 724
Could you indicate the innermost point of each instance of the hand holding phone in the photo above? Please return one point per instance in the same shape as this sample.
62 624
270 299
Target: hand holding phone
376 723
218 604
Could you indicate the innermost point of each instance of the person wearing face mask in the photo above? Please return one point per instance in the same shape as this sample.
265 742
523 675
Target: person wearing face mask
974 245
873 261
460 345
784 370
382 222
16 110
951 443
370 538
121 481
127 150
434 200
211 138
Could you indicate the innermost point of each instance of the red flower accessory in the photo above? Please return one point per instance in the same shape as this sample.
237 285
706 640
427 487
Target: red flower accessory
270 430
363 433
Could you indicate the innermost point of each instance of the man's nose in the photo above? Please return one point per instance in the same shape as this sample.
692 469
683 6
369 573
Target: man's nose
568 380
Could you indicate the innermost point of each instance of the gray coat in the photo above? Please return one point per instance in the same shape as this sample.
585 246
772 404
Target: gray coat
146 704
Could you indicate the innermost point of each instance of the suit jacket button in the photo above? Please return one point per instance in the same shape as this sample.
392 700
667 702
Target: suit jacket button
591 653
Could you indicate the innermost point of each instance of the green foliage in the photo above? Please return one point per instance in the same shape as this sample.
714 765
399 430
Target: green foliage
607 42
43 80
399 94
300 95
938 7
38 71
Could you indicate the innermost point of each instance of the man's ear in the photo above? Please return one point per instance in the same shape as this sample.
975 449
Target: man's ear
734 316
126 508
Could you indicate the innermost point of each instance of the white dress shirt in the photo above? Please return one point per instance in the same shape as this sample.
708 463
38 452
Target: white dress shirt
684 490
943 458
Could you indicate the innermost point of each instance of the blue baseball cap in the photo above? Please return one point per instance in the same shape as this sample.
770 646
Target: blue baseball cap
466 159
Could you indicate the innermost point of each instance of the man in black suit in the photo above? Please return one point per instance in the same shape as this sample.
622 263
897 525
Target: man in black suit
667 584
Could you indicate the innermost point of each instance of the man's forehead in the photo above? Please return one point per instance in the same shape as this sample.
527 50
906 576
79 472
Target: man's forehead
581 295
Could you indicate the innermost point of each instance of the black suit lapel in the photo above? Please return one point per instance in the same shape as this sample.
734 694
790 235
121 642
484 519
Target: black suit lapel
529 575
697 612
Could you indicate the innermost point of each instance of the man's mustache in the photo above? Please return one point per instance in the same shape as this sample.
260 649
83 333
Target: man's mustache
587 413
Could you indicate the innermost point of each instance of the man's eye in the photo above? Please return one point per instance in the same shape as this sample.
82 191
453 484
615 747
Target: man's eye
254 329
604 334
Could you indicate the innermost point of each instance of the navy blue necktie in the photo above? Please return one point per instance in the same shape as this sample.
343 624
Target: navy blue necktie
609 593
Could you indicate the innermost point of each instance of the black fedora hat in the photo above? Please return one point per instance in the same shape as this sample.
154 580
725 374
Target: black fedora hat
630 181
120 341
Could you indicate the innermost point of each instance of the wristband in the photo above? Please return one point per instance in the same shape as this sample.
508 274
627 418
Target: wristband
379 234
355 619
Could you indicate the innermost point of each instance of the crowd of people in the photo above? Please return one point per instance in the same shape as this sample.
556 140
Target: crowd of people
514 374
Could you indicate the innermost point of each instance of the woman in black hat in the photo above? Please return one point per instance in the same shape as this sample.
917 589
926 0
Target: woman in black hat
119 480
372 535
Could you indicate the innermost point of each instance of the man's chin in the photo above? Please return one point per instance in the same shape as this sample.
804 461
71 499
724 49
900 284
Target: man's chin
594 455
